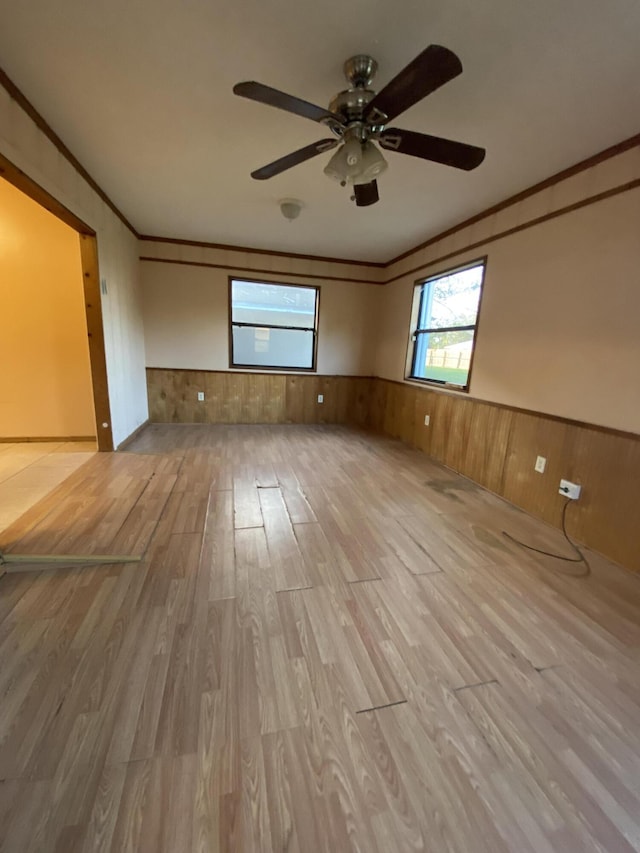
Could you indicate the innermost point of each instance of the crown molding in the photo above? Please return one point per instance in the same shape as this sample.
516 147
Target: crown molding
588 163
53 137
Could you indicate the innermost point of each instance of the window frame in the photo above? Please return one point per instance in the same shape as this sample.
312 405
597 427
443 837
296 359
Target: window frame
314 329
414 331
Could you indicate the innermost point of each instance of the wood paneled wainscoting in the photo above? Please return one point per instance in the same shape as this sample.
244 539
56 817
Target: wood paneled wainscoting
497 446
494 445
256 398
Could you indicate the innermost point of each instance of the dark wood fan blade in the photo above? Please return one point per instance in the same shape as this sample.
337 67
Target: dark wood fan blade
366 194
294 158
434 67
445 151
275 98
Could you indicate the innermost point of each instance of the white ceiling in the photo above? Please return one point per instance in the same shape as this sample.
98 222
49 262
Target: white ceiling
141 92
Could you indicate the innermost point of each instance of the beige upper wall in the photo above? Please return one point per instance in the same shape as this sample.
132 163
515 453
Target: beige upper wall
186 313
558 330
45 381
30 150
567 319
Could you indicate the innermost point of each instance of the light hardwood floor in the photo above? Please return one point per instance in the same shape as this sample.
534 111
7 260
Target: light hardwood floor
30 470
329 646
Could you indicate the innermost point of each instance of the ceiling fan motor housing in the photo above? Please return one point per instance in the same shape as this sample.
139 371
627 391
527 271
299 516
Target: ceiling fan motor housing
350 104
360 70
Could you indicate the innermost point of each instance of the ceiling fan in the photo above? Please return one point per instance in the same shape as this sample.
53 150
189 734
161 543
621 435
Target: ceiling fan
358 116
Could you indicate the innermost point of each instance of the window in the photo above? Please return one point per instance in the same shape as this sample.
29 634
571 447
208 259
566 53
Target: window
273 325
444 322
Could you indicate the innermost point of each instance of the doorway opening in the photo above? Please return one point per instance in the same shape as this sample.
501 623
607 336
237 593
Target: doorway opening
91 391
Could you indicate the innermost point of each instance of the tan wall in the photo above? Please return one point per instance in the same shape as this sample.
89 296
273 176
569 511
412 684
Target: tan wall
558 330
45 381
186 315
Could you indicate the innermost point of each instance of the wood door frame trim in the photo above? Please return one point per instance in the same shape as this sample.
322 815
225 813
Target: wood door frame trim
11 173
91 289
95 332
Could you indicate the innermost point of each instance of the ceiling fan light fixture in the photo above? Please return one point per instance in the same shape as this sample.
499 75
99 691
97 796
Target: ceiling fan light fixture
372 164
356 162
345 164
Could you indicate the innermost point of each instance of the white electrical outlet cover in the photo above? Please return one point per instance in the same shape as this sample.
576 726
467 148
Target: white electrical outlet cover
570 490
540 465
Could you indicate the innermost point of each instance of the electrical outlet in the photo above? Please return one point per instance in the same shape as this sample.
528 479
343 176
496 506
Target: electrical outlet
570 490
541 464
321 398
427 419
200 396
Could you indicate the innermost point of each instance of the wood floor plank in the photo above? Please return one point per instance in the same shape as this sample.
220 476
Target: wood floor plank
246 502
218 555
550 787
127 832
328 645
286 559
293 495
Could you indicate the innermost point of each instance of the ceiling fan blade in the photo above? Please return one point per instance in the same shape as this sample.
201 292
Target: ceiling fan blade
445 151
434 67
366 194
294 158
275 98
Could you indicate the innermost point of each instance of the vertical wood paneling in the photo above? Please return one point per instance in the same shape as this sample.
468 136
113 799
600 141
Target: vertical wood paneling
440 425
497 447
360 399
530 436
614 463
295 400
423 404
378 404
485 453
256 398
214 398
493 445
458 432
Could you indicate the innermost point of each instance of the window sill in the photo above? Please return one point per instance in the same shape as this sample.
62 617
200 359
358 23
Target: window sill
442 386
